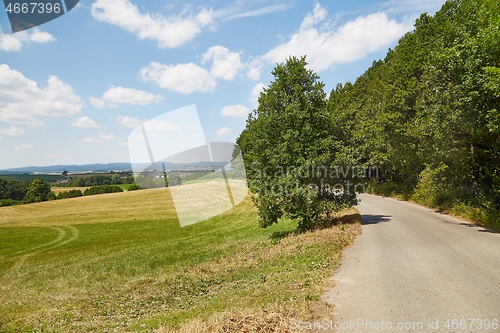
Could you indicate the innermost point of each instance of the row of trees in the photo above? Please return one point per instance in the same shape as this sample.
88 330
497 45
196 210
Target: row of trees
14 192
427 117
97 180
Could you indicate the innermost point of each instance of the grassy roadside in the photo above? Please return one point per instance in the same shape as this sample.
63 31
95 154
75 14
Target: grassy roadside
485 216
120 262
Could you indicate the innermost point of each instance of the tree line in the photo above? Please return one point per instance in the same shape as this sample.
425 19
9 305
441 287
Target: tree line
97 180
427 117
15 192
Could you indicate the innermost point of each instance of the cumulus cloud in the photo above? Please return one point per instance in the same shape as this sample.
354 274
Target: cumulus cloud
182 78
99 103
222 132
160 125
12 131
24 147
234 111
85 122
225 64
350 42
166 31
129 122
91 139
120 95
255 94
106 137
14 42
23 102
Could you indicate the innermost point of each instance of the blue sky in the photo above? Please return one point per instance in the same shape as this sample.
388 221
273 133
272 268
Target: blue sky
74 89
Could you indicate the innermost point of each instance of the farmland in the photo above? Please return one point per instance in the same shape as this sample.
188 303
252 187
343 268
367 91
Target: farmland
121 262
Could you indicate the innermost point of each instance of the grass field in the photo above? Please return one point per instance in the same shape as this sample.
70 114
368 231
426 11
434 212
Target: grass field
58 190
120 262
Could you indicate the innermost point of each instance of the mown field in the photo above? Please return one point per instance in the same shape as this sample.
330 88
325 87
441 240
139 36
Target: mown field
121 262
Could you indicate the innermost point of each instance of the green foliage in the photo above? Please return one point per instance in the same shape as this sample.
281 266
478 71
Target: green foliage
433 188
286 138
102 190
38 190
174 179
428 115
134 187
69 194
97 180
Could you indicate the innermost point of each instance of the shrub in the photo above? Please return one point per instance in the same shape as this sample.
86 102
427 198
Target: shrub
134 187
433 188
102 190
69 194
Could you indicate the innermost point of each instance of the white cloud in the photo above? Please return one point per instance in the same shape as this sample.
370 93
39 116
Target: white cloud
106 137
255 94
222 132
255 70
85 122
12 131
411 6
160 125
91 139
234 111
225 64
14 42
121 95
23 102
182 78
352 41
129 122
24 147
237 12
167 31
101 104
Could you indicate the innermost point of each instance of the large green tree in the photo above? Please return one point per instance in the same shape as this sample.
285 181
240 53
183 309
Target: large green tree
291 150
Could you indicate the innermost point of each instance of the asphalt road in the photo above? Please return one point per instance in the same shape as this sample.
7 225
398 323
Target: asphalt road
415 270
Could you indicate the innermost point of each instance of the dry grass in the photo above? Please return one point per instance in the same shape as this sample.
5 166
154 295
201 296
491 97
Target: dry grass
58 190
121 262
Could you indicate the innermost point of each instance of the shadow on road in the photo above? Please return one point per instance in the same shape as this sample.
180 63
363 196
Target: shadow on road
471 225
367 219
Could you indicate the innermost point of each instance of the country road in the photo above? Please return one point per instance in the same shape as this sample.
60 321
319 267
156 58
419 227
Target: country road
415 270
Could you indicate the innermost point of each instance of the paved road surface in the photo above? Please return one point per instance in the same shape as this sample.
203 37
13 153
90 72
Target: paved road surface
412 265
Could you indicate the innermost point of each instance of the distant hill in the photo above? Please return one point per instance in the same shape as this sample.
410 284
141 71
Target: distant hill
99 167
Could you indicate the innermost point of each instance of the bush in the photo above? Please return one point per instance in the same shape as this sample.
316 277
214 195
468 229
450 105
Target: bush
433 188
102 190
134 187
69 194
9 202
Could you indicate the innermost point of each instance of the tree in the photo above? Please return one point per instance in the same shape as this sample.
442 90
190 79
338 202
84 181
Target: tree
38 190
290 150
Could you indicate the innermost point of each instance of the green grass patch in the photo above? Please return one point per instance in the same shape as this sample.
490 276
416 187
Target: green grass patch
121 262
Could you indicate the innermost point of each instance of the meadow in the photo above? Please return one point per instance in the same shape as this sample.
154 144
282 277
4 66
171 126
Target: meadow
121 262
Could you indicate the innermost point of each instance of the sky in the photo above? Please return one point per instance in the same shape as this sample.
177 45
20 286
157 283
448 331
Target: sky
74 90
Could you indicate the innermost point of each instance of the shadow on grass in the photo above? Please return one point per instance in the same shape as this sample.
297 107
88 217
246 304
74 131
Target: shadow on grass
324 223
